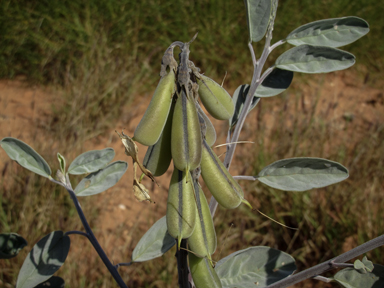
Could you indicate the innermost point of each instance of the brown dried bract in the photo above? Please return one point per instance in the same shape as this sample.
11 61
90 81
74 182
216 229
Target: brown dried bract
132 150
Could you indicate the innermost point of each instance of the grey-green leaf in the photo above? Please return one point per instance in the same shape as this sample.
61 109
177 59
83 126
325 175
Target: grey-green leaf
239 99
46 257
314 59
351 278
101 180
301 174
368 264
61 162
254 267
91 161
53 282
275 83
11 244
155 242
335 32
23 154
363 266
258 14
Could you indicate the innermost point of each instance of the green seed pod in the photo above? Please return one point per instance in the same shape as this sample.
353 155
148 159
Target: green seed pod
210 132
152 124
203 239
181 207
215 98
158 156
203 274
220 183
186 136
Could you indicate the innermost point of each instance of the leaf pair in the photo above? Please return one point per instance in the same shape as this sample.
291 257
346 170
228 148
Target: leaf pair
316 45
101 177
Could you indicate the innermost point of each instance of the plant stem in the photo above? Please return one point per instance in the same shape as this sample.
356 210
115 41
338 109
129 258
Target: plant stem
76 232
182 264
244 177
256 81
92 238
330 264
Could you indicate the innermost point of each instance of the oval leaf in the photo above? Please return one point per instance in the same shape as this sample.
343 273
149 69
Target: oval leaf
254 267
11 244
46 257
258 14
53 282
101 180
335 32
314 59
275 83
155 242
301 174
91 161
23 154
350 278
239 99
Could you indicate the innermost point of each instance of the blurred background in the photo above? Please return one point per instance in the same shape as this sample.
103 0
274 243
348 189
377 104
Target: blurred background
73 72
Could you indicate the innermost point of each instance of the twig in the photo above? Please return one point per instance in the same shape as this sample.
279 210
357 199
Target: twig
323 279
76 232
123 264
243 177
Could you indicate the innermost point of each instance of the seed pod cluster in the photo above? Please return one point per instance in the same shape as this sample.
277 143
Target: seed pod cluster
176 127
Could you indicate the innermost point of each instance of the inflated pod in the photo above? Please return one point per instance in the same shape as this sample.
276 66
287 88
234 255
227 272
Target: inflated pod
203 239
215 98
152 124
220 183
203 274
186 136
181 207
210 132
158 156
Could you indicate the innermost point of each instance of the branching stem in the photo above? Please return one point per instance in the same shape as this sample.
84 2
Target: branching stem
256 81
92 238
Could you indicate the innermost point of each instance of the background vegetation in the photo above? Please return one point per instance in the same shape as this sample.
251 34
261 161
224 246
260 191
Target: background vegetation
102 54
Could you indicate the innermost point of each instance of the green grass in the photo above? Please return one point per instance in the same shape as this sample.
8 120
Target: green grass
101 54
